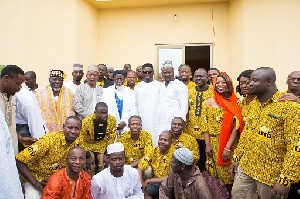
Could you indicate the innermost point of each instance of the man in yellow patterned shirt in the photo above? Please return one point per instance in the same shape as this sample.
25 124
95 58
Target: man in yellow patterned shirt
137 142
197 95
185 74
268 153
46 156
159 160
181 139
98 131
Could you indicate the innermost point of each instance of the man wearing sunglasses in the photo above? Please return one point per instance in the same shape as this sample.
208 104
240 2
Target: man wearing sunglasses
147 100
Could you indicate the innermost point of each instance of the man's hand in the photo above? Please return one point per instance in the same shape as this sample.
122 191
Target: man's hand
144 185
39 185
208 150
226 156
121 125
289 97
26 141
280 191
233 168
89 164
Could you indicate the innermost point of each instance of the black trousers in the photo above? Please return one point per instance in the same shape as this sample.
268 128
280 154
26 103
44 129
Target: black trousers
202 160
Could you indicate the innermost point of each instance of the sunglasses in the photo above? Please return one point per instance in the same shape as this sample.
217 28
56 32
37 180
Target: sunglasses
147 72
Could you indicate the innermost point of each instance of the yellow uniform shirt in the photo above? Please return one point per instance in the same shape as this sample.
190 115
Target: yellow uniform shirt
197 99
135 150
269 148
47 155
87 134
159 163
188 142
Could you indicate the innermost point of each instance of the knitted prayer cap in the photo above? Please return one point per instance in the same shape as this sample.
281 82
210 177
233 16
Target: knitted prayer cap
115 147
77 67
92 68
57 73
167 64
184 156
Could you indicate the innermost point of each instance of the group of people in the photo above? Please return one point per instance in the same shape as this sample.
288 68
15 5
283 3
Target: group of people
123 134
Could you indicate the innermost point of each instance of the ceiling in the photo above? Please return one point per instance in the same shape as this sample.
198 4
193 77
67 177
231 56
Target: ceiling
102 4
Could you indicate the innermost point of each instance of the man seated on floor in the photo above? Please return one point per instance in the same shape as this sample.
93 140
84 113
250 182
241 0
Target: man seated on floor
137 142
98 131
70 182
46 156
119 180
159 160
185 179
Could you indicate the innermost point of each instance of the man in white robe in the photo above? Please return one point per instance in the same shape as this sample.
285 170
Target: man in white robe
147 102
10 186
173 100
119 181
30 123
11 80
88 95
120 101
77 75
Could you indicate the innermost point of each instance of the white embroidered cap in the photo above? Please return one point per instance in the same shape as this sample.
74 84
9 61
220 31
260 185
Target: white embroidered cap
115 147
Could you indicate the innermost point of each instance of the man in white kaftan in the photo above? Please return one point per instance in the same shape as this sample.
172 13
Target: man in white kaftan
119 181
173 100
28 113
10 186
147 102
77 75
11 80
88 95
120 101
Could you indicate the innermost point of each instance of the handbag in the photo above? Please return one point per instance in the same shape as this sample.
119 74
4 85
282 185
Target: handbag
217 187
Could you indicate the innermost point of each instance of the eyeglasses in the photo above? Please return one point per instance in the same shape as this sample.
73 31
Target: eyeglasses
293 79
147 72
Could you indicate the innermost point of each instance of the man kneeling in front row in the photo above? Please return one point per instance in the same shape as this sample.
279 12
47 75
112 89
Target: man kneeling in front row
117 181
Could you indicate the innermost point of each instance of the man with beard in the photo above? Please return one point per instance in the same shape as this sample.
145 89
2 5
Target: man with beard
89 94
266 159
159 160
120 101
197 95
147 101
212 73
173 99
102 81
56 101
117 181
137 142
30 81
181 139
185 73
11 81
46 156
185 179
77 76
72 181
